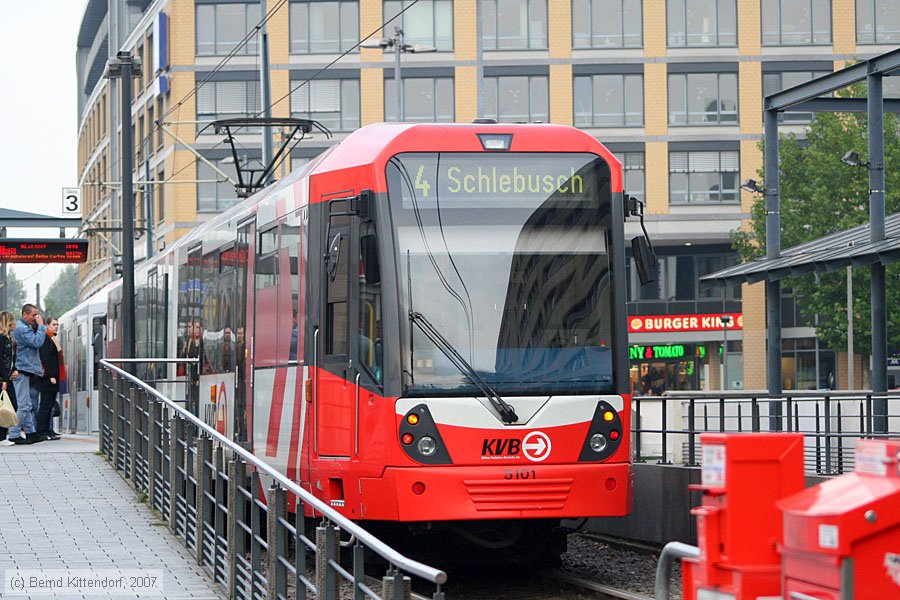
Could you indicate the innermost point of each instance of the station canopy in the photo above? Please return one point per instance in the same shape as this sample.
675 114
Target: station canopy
851 247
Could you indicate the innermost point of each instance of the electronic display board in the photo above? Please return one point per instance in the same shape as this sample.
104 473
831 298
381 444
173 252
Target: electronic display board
19 250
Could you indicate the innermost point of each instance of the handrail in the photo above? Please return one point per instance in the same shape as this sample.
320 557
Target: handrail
386 552
763 394
670 552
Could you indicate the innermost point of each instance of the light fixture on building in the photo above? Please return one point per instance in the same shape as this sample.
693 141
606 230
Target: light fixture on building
851 159
751 185
396 42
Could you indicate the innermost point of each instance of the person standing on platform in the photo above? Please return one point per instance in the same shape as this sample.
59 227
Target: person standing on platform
8 373
49 382
29 336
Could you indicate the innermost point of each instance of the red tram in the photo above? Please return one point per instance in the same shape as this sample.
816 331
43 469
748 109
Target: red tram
424 326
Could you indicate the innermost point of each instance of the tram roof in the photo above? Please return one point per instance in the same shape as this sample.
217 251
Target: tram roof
851 247
380 141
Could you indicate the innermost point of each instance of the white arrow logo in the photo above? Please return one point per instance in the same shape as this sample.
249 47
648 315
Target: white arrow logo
536 446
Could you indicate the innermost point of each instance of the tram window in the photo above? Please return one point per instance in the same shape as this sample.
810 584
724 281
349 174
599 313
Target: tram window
267 259
211 315
336 339
370 328
287 319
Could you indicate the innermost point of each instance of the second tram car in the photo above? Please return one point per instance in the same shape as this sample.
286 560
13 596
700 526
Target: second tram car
424 325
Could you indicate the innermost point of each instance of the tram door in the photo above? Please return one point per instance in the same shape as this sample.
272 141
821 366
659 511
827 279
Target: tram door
242 326
350 336
334 408
193 347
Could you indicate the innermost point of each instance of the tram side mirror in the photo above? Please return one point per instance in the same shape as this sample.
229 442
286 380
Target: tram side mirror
369 252
332 256
644 259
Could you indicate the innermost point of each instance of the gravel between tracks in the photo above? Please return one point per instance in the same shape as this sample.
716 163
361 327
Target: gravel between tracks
616 565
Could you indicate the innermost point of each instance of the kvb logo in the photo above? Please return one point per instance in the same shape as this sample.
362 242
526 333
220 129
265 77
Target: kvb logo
536 446
504 447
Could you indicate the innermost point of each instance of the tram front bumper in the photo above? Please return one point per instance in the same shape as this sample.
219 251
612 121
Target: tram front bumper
450 493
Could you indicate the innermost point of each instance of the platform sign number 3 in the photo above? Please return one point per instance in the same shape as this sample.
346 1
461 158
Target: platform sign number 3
71 202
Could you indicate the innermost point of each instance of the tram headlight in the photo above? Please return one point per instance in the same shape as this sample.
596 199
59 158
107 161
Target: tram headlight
427 446
598 442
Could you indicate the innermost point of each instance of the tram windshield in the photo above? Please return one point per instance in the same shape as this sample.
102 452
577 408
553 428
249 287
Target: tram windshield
506 255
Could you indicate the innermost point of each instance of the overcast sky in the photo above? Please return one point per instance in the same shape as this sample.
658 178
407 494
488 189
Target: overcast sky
39 121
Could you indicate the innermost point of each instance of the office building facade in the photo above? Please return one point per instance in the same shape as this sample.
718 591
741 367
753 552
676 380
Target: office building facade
674 87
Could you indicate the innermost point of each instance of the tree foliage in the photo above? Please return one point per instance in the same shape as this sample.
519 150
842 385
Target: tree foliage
15 293
63 293
821 195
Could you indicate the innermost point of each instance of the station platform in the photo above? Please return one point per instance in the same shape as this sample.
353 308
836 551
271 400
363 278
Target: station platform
62 507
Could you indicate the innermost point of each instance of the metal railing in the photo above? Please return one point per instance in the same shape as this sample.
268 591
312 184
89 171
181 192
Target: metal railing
209 491
667 428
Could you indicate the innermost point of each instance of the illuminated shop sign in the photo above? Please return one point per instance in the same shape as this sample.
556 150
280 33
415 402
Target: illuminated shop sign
679 323
667 351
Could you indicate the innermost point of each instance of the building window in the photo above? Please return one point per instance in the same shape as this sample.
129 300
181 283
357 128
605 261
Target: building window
609 100
324 27
425 100
703 98
514 24
799 365
702 22
878 21
428 22
775 82
214 192
787 22
703 177
224 99
677 290
221 27
517 99
332 102
633 165
606 24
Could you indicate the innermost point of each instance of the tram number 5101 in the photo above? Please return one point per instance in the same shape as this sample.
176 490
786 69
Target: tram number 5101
519 474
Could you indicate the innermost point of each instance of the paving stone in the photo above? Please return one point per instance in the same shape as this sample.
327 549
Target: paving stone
63 507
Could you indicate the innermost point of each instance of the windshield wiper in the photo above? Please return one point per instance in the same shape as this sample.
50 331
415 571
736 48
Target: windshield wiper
507 413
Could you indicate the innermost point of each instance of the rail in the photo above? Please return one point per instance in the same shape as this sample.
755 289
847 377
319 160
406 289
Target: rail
667 428
209 490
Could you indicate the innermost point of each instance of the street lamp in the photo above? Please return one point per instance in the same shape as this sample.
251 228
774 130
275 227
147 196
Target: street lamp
851 159
396 42
726 319
751 185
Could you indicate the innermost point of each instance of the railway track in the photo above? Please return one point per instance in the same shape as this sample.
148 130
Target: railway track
600 590
550 585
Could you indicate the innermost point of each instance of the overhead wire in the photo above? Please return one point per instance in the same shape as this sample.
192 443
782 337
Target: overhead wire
228 57
221 64
339 57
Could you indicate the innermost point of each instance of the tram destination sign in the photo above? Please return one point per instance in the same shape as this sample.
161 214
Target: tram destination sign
18 250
